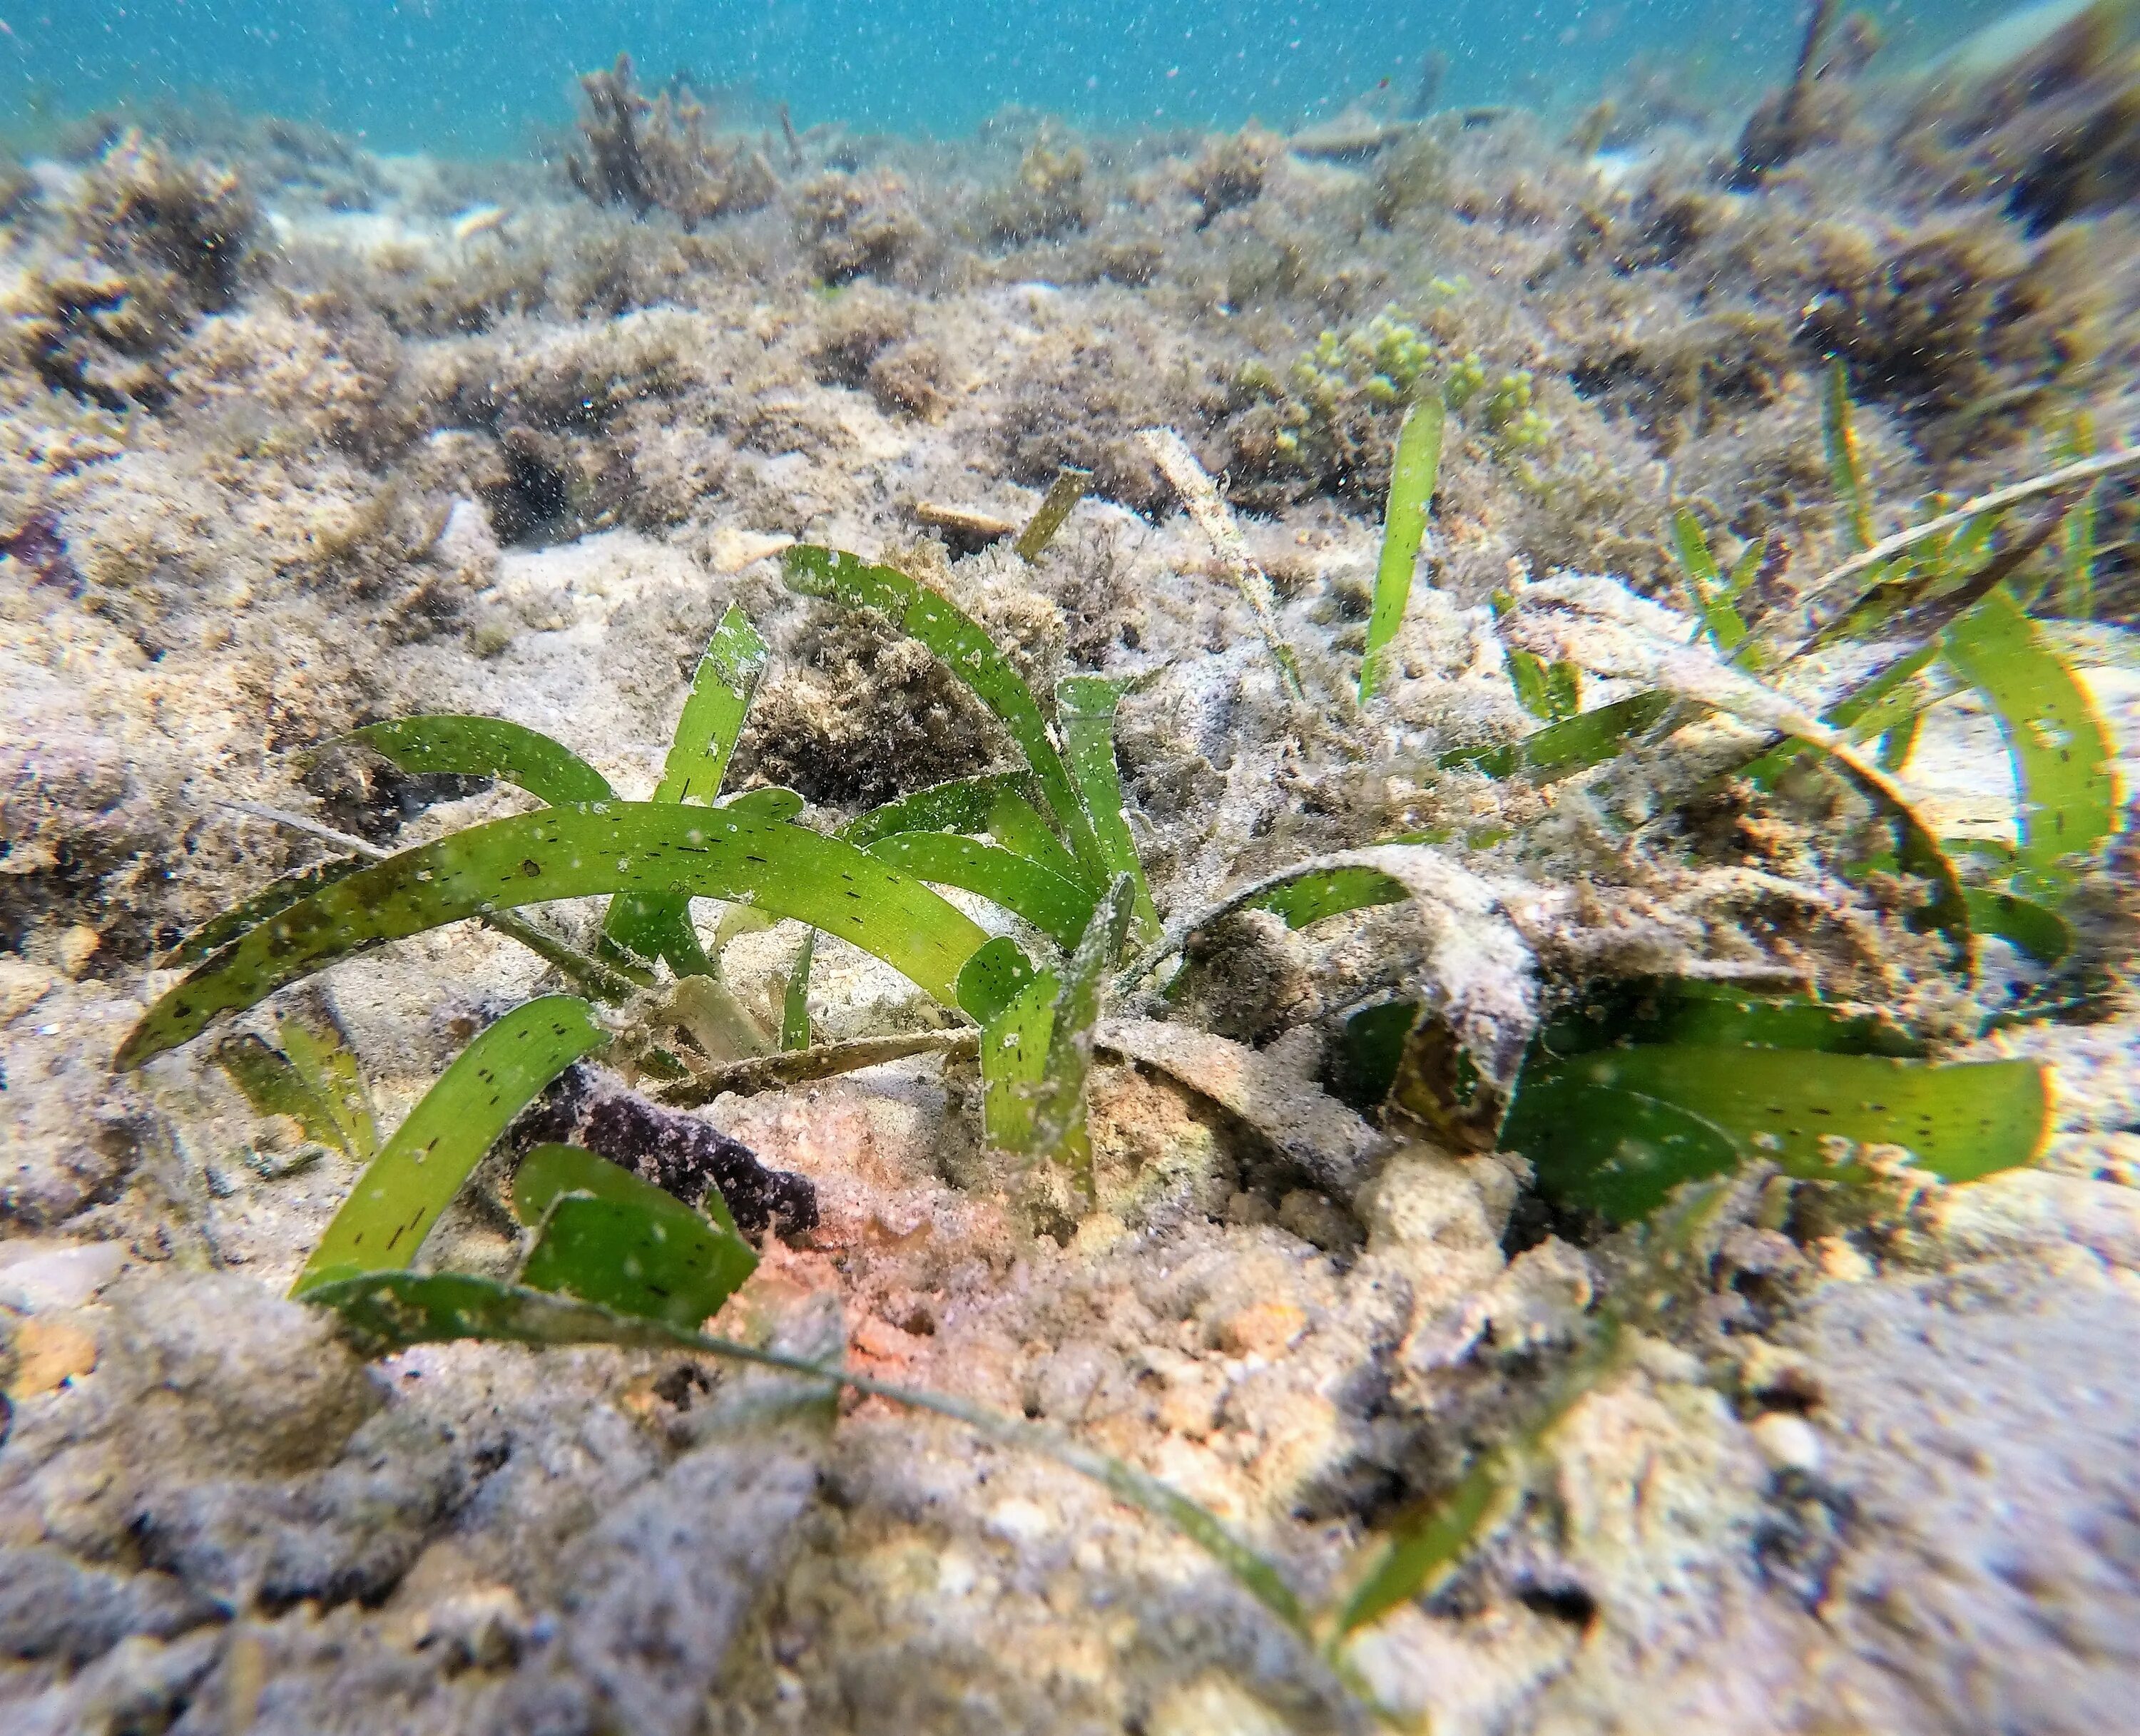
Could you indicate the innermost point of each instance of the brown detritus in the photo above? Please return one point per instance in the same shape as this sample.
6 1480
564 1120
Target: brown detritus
153 243
676 1151
1231 171
1791 120
1673 379
855 226
861 714
2056 133
658 155
1412 178
1247 977
1961 321
1052 196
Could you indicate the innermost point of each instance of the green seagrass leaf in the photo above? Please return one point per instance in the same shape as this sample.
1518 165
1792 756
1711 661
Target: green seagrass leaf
659 1262
993 977
402 1191
1414 469
1059 908
270 901
968 652
547 1172
1329 892
325 1061
1085 705
610 1238
1617 1130
713 711
577 852
479 746
649 927
274 1087
2037 930
1562 749
1014 1061
2062 757
962 805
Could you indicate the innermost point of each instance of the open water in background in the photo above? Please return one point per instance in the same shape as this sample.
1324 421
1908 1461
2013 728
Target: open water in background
473 77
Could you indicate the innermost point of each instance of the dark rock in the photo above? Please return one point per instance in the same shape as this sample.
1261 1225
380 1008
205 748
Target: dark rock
677 1152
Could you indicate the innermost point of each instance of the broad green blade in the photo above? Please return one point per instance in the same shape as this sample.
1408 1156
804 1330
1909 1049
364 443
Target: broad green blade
1711 590
1013 1060
1327 892
1369 1052
326 1065
1846 465
964 805
1890 698
1563 692
1527 675
1085 704
2061 752
272 900
2042 934
657 1261
993 978
650 927
771 802
1744 569
713 712
1059 908
1421 1554
610 1238
274 1087
548 1173
1897 743
1063 494
401 1192
580 852
1561 750
1691 544
1617 1130
1058 1098
968 652
1017 825
479 746
1414 469
1716 1015
996 804
385 1311
795 1003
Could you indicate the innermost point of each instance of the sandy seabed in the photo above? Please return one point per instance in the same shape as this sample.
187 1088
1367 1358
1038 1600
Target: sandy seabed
293 438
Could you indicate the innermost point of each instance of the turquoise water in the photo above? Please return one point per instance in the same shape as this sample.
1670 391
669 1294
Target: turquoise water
476 77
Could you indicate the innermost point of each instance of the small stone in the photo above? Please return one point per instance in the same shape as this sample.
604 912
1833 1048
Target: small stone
37 1276
48 1354
22 987
76 948
1265 1329
1789 1443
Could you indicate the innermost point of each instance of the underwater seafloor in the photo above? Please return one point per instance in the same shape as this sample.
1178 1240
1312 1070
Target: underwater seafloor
295 437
